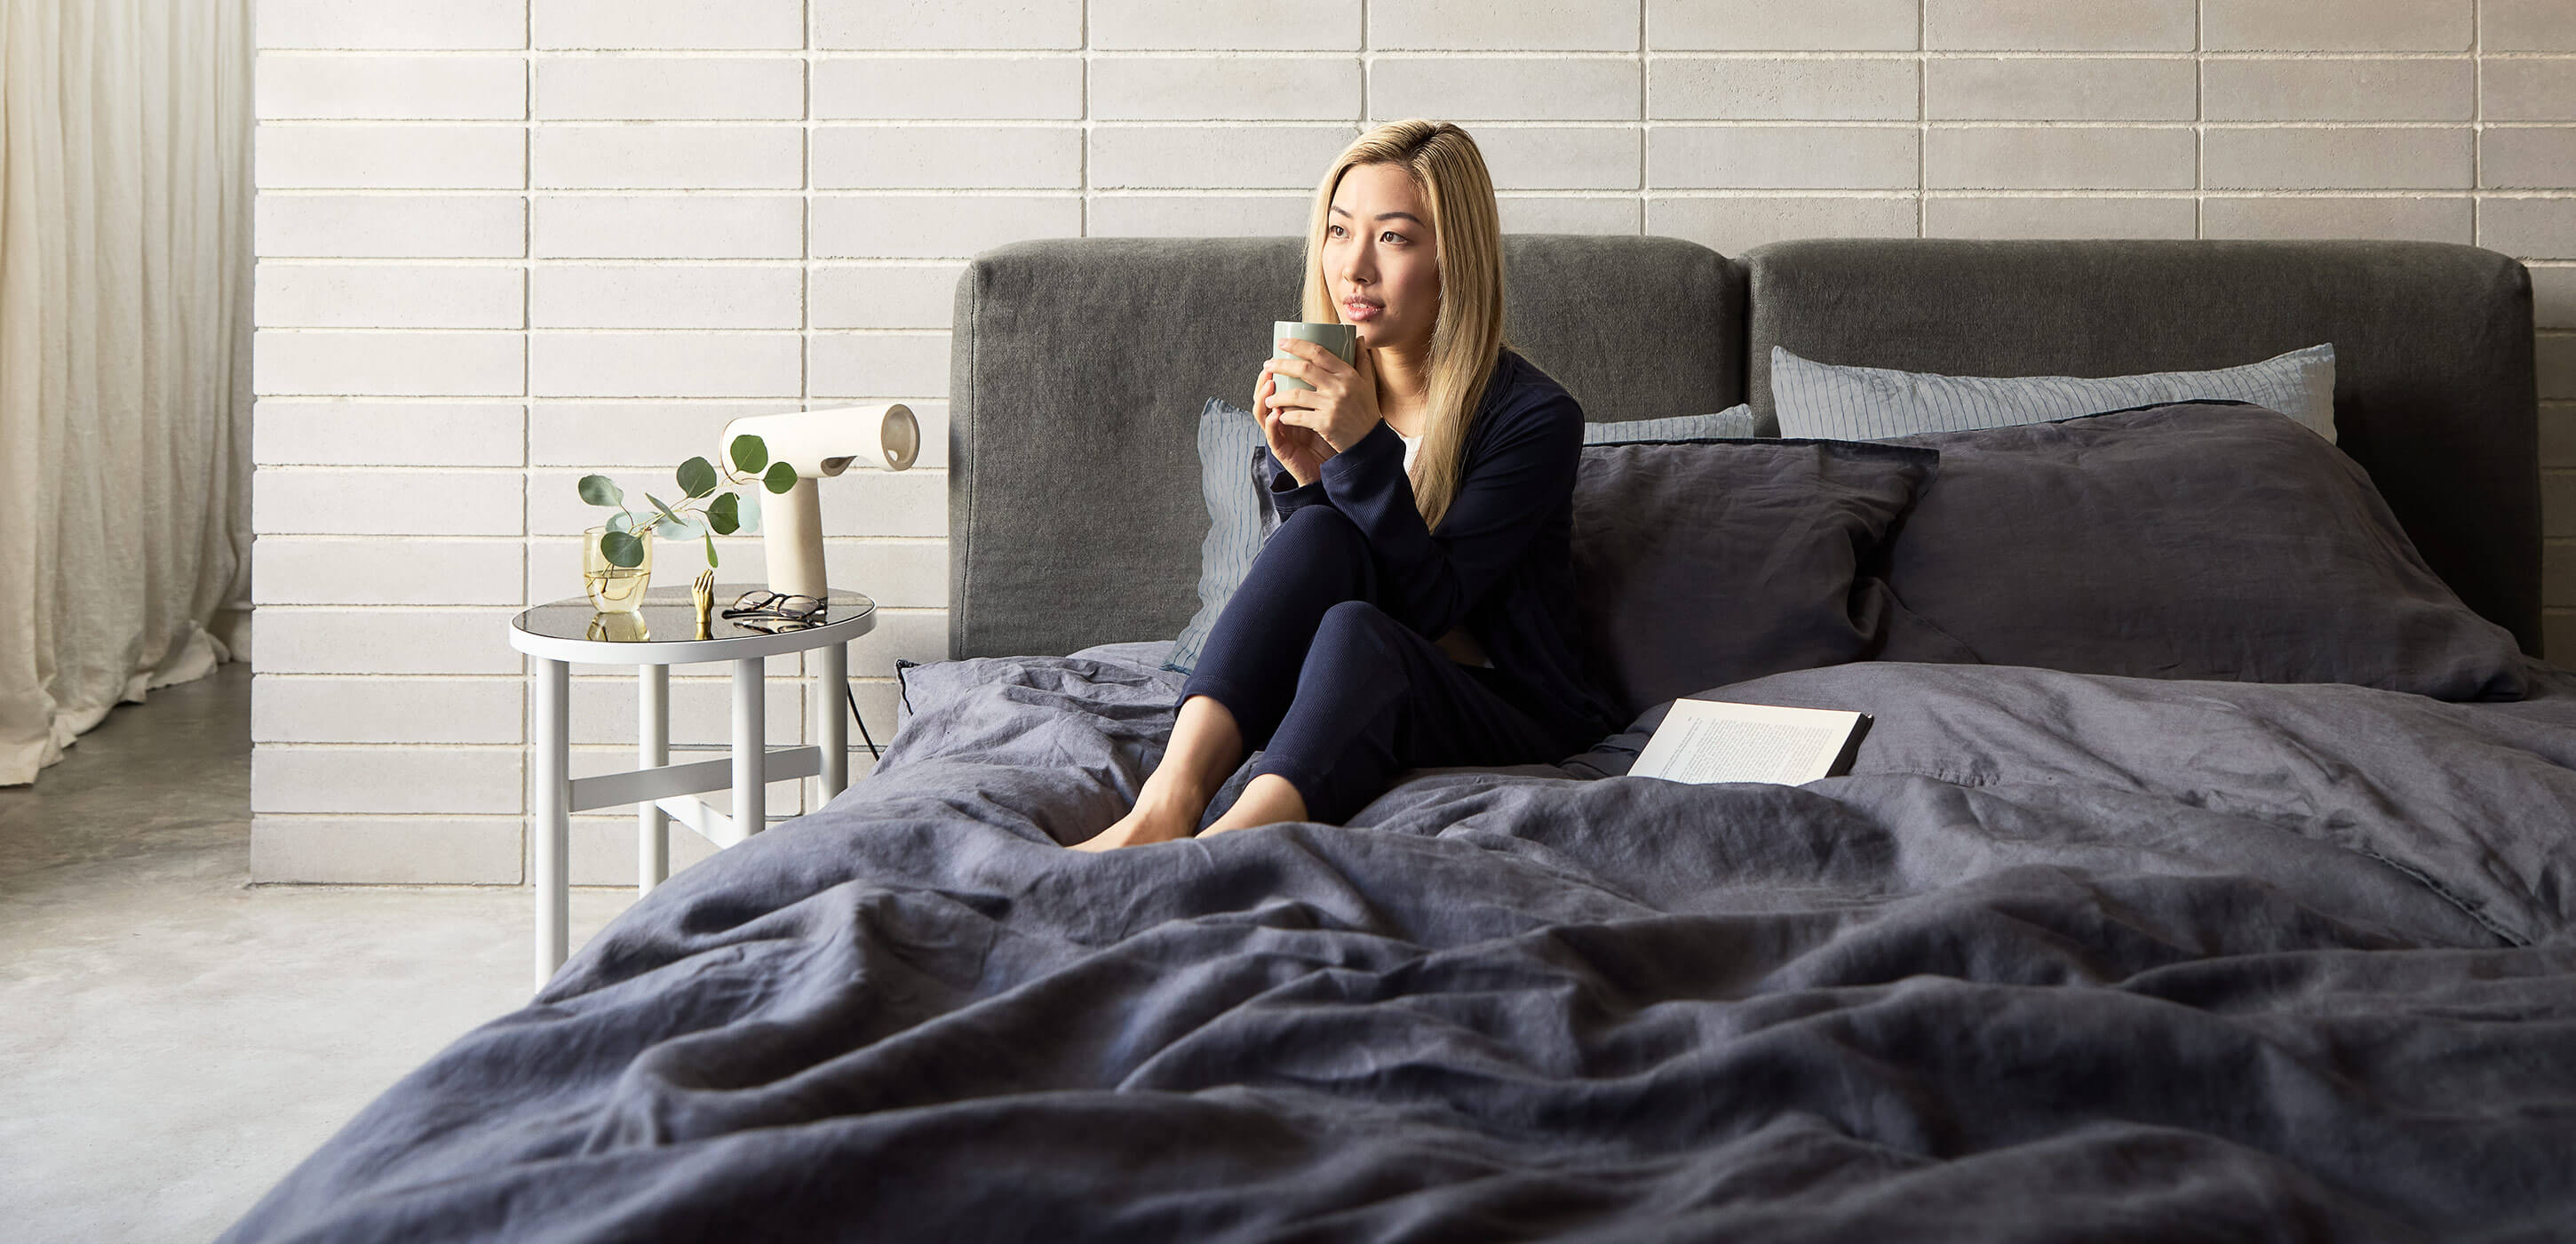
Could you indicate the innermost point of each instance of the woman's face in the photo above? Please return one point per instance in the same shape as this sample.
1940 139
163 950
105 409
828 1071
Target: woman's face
1381 261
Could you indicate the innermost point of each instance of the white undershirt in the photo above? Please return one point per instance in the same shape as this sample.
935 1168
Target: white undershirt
1412 447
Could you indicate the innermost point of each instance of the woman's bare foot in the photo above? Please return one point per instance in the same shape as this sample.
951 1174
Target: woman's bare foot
1266 800
1153 819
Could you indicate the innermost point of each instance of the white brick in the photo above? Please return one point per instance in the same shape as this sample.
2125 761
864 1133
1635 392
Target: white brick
704 88
2529 228
1734 225
887 503
2053 25
710 226
2345 157
1771 26
1189 88
936 226
2060 157
1571 214
637 157
319 501
2528 26
1197 215
666 296
392 226
298 709
2338 25
343 433
1505 25
393 88
409 850
894 364
1805 89
2339 89
949 88
1592 158
298 570
2528 157
947 24
894 573
2314 216
1503 88
1215 157
301 295
1218 25
603 712
1750 157
2529 90
663 364
2060 216
668 23
598 435
457 24
2553 298
2030 88
948 157
389 364
883 295
385 641
445 780
389 157
911 635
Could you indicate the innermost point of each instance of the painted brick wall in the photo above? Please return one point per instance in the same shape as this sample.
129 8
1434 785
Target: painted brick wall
505 241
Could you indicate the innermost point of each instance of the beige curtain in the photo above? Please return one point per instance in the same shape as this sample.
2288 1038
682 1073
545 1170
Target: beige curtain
124 261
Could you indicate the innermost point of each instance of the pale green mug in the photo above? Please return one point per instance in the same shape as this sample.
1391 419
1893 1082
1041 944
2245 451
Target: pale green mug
1342 339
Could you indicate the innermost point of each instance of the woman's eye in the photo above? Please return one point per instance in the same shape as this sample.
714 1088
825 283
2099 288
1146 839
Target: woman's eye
1392 236
1333 231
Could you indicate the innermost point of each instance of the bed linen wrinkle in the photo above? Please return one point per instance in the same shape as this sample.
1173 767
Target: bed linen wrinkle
2099 994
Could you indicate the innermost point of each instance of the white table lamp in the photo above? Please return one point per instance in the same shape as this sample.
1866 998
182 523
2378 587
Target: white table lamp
818 444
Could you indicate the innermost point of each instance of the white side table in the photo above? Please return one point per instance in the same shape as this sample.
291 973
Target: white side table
566 631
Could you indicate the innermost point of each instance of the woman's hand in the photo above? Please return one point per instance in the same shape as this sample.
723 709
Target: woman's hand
1297 449
1341 408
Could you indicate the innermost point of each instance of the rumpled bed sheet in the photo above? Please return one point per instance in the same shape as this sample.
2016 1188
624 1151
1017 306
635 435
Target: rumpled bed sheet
2064 957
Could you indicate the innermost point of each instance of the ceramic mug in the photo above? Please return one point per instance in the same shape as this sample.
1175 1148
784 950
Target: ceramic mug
1342 339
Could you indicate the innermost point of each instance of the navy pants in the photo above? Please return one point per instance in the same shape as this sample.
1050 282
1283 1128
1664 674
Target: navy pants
1337 695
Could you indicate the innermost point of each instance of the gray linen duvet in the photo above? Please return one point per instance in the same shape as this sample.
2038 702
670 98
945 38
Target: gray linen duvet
2066 956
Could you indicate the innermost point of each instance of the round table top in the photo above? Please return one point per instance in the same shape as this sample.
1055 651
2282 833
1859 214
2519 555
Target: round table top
665 630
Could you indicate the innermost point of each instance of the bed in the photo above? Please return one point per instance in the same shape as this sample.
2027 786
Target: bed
2067 955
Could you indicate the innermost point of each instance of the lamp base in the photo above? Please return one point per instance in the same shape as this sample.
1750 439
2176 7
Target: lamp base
791 534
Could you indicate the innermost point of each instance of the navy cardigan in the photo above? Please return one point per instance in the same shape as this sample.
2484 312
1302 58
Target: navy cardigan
1502 563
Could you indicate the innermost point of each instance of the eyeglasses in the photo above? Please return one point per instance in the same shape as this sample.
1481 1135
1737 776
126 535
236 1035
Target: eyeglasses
775 607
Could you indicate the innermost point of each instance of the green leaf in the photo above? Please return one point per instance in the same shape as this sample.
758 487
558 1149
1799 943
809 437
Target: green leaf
621 521
622 549
697 477
711 552
679 529
750 454
779 478
722 516
667 512
599 490
747 512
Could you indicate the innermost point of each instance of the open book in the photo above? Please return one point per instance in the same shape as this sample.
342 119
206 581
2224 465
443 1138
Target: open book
1713 741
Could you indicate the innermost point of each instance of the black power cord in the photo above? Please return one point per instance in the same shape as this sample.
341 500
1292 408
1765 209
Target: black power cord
853 698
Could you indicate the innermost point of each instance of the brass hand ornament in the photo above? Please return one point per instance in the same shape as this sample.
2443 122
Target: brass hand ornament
703 591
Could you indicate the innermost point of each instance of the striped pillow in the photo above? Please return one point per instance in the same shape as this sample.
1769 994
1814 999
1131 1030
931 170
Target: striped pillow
1827 401
1239 519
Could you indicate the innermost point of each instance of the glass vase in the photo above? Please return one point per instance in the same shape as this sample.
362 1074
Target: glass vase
614 588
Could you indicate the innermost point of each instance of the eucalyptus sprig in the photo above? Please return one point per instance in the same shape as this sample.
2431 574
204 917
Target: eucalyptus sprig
703 512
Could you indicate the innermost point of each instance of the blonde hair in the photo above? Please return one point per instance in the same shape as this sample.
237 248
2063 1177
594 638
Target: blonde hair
1467 337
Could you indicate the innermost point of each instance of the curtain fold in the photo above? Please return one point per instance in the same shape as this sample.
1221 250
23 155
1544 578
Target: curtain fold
124 264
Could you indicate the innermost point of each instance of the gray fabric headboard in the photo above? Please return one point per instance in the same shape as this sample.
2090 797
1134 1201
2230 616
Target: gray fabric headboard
2434 391
1079 365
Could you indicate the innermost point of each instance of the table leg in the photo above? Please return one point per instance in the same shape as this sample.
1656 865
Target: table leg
831 723
750 796
553 823
652 750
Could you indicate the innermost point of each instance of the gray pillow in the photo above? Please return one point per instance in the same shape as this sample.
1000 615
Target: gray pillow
2200 540
1873 403
1707 564
1240 518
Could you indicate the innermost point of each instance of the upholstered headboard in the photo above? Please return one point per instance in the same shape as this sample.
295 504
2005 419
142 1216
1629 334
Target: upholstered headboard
1079 365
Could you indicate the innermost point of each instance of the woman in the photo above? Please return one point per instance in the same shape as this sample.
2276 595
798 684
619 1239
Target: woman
1415 605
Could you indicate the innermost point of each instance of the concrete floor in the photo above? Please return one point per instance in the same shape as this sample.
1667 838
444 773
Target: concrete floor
173 1040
